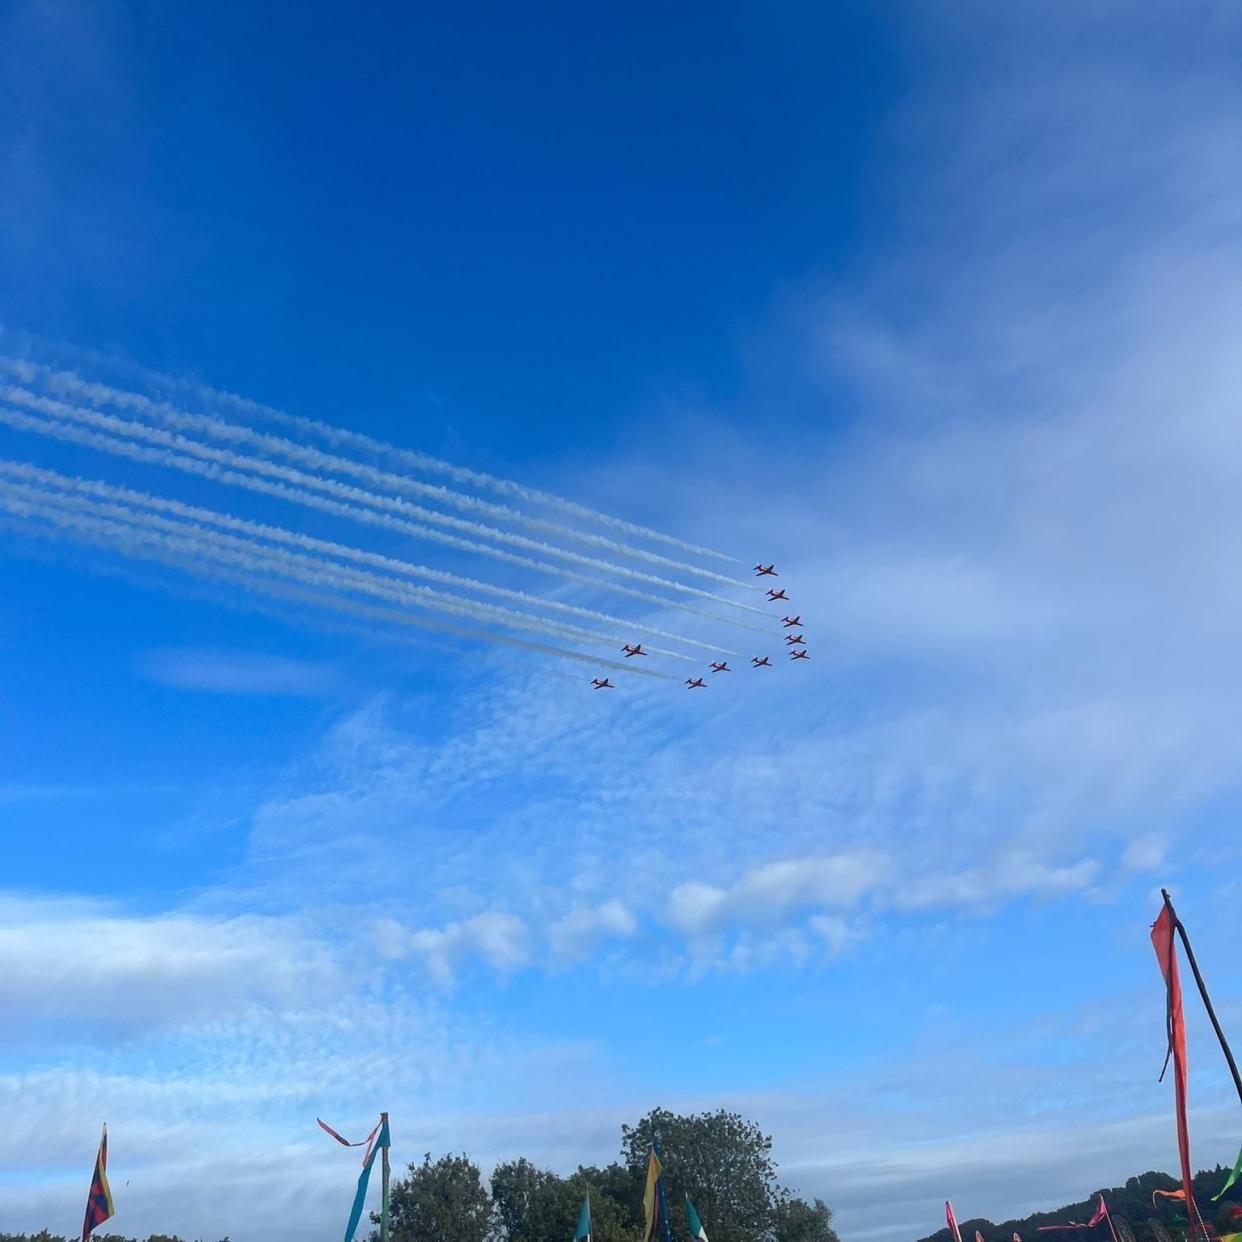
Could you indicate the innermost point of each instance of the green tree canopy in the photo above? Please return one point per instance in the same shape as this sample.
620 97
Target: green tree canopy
442 1201
796 1220
722 1161
535 1205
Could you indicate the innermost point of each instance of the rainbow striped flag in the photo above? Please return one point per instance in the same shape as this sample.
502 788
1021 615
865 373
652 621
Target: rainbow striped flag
99 1201
651 1196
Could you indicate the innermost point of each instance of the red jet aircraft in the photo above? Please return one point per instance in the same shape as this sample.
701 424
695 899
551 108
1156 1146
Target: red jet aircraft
605 684
722 667
791 622
761 663
695 683
794 639
636 649
760 570
775 595
800 654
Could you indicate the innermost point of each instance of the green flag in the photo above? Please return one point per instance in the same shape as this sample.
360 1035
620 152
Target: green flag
1233 1177
696 1226
583 1232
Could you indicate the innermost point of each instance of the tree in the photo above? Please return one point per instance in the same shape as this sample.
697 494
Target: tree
721 1161
621 1190
796 1220
609 1220
441 1201
533 1204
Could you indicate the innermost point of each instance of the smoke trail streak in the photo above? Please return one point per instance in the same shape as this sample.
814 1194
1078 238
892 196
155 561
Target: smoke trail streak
155 435
164 457
193 564
341 437
235 550
67 384
126 496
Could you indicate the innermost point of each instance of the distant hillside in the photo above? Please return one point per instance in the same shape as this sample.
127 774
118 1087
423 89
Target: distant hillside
1131 1202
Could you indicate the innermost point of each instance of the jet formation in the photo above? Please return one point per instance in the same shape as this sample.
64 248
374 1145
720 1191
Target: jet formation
795 642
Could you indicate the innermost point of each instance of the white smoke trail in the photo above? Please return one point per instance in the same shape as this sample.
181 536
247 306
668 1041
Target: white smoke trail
192 563
164 457
236 550
342 438
66 383
49 479
239 461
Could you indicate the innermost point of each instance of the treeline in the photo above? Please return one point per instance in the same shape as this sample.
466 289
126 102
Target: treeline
1131 1208
44 1236
720 1160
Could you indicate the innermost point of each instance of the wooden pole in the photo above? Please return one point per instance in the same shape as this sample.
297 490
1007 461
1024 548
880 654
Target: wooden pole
1203 992
384 1172
1108 1216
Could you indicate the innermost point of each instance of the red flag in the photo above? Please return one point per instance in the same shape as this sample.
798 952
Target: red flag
1100 1213
344 1142
951 1221
1017 1237
1175 1025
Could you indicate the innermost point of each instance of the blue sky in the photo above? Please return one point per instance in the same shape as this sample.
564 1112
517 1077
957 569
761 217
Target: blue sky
935 307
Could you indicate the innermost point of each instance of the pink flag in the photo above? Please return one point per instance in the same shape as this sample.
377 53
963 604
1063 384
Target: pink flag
951 1221
1100 1213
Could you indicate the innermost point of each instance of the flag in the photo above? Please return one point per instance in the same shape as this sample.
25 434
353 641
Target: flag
651 1196
1166 1194
381 1143
1175 1027
696 1226
1233 1177
978 1236
1017 1237
951 1221
1101 1213
344 1142
583 1232
99 1201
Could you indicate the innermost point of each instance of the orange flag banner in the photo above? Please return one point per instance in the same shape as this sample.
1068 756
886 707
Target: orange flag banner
1175 1025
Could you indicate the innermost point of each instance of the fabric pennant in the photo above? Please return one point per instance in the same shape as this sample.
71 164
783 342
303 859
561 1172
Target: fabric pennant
697 1231
99 1198
1175 1027
344 1142
951 1221
1233 1177
364 1177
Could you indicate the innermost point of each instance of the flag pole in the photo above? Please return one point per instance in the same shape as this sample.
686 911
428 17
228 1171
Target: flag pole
384 1192
1108 1216
1203 992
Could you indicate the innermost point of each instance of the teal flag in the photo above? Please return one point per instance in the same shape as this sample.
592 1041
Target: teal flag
1233 1177
364 1177
696 1226
583 1232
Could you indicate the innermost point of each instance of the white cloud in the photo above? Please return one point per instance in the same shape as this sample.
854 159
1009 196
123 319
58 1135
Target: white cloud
80 965
582 929
773 891
500 940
